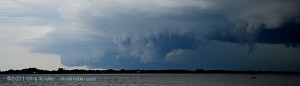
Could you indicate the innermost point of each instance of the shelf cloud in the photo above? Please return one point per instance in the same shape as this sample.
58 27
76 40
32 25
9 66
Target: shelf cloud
157 34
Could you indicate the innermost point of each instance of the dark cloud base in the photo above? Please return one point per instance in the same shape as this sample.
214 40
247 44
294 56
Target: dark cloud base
288 34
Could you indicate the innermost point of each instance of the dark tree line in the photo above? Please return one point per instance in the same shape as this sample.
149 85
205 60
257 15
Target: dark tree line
137 71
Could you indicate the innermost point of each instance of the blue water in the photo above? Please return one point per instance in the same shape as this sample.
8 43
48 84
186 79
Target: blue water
147 80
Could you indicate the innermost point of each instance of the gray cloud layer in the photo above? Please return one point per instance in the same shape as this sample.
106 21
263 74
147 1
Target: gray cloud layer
160 33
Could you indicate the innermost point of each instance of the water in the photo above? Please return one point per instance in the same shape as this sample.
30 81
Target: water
147 80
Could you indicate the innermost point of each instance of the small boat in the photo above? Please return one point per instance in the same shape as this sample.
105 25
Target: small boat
252 77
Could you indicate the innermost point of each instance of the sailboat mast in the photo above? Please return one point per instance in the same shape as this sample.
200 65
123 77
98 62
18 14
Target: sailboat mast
253 68
252 77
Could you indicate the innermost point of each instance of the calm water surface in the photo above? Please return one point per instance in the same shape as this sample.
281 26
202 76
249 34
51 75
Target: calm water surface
147 80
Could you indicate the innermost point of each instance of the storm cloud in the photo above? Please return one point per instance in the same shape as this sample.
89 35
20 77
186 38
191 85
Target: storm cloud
286 34
159 34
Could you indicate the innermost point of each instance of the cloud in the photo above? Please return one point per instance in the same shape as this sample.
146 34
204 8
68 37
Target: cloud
155 47
45 9
249 18
162 33
287 34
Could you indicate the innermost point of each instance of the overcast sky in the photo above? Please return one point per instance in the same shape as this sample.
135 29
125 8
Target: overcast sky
150 34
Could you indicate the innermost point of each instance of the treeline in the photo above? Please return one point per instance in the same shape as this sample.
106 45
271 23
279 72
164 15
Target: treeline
137 71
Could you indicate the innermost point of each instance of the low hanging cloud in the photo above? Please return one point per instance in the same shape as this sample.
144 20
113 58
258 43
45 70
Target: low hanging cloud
155 48
161 33
254 20
287 34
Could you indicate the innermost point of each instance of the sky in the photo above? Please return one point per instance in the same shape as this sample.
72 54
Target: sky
150 34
